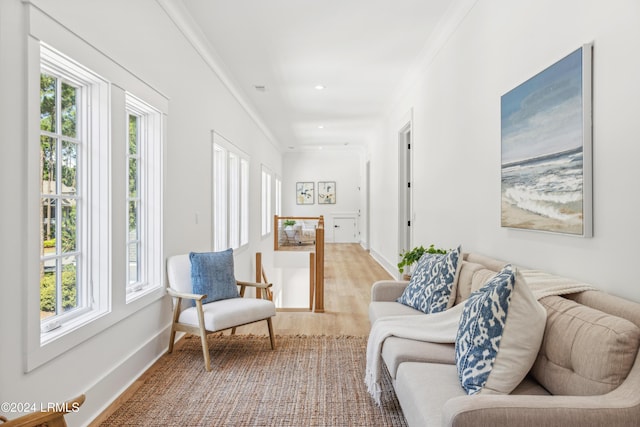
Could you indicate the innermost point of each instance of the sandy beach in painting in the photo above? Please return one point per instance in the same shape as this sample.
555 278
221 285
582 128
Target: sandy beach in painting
514 217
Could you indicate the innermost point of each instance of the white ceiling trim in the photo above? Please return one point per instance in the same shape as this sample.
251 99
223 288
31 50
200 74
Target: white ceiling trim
183 20
453 17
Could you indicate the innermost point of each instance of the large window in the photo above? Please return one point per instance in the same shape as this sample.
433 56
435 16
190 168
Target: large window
230 195
267 215
278 191
144 203
74 243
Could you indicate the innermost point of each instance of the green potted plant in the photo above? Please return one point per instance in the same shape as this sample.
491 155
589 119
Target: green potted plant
408 258
288 223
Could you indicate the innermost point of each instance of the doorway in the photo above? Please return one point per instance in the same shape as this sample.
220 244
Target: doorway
405 192
344 230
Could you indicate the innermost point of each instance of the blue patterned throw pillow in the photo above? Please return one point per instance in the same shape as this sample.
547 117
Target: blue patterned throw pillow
480 331
432 283
212 274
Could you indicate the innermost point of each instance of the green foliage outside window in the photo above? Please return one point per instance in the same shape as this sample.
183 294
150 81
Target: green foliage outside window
48 290
58 169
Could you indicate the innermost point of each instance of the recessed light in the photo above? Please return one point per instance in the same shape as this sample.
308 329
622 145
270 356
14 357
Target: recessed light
320 126
319 87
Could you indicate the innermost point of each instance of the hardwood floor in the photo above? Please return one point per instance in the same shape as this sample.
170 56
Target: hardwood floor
349 273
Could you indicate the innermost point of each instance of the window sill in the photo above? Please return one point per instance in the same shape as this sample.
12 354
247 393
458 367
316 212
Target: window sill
143 291
70 325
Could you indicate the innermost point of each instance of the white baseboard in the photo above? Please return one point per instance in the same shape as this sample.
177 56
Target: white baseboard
388 266
115 382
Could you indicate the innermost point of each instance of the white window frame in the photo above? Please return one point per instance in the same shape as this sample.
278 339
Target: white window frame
94 210
278 195
266 195
149 235
230 185
106 274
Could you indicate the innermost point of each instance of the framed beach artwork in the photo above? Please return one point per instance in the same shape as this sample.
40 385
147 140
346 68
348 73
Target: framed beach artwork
326 192
304 193
546 149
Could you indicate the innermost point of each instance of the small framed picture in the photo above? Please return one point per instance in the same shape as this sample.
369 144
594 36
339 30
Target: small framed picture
304 193
326 192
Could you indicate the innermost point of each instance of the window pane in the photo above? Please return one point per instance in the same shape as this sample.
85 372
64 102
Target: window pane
47 103
48 156
266 203
69 167
133 177
220 199
133 135
234 201
244 204
48 208
69 283
134 264
133 220
69 225
48 295
69 110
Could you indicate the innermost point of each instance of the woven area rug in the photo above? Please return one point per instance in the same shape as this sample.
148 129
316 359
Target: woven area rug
306 381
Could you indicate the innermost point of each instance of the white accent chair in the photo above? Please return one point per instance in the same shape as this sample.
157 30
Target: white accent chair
215 316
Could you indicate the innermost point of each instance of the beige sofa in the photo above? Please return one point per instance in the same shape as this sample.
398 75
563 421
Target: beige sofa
587 372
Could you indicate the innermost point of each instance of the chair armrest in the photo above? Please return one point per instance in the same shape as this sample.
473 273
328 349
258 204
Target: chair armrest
174 293
387 290
254 284
521 410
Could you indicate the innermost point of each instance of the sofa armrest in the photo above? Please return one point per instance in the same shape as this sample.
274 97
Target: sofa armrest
387 290
561 411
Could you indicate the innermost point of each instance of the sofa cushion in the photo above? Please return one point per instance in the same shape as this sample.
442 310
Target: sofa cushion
585 351
396 351
212 274
499 335
432 285
472 277
423 389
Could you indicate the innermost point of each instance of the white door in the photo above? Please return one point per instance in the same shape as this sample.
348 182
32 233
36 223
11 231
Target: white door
405 192
344 230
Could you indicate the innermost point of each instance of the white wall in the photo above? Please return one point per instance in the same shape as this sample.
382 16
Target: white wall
456 104
345 167
141 38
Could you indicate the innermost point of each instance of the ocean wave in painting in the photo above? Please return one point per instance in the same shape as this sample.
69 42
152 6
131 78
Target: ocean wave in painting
550 186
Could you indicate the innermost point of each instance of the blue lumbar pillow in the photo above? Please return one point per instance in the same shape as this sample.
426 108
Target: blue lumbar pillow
212 274
499 335
432 285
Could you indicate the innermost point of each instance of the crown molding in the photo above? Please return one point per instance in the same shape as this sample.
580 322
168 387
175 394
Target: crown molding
451 20
179 15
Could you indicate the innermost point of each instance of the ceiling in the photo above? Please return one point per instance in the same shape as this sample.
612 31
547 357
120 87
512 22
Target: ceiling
273 54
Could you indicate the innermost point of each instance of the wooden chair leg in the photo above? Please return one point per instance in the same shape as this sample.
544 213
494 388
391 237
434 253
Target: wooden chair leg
271 337
172 338
176 316
205 351
203 336
233 331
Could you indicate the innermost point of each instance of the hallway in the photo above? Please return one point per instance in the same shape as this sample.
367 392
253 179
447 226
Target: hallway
349 273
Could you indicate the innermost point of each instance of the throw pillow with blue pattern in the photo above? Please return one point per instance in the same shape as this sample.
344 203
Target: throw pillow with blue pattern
431 287
499 334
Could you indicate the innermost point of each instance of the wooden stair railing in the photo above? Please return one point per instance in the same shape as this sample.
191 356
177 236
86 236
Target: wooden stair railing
316 279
